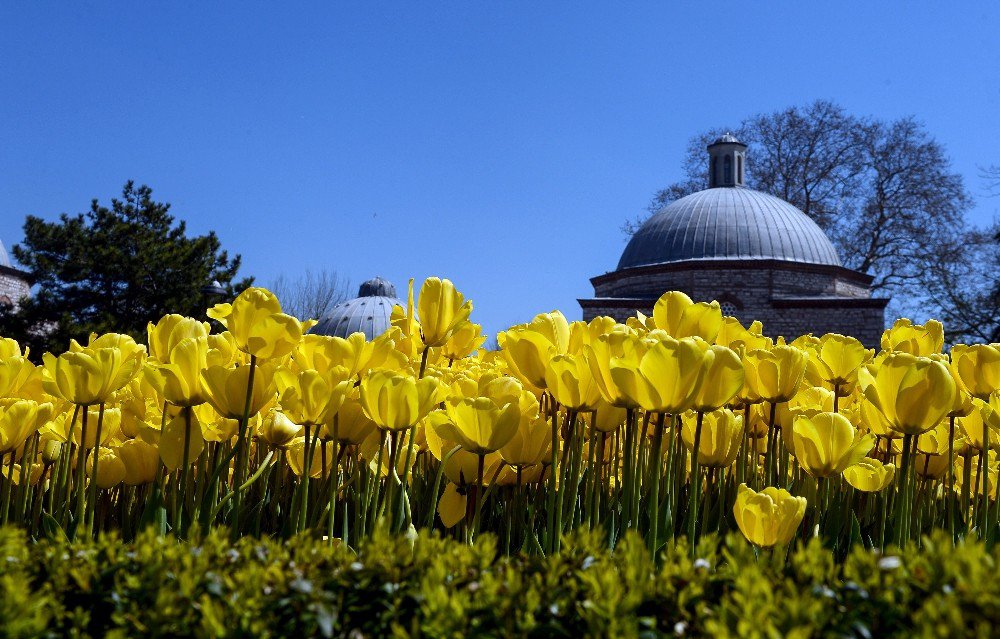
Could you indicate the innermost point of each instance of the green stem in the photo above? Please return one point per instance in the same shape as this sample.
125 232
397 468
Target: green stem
242 447
695 485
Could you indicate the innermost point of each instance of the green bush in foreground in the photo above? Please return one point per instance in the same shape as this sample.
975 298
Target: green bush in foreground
433 587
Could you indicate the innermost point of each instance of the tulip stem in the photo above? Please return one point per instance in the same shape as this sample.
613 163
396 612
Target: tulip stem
695 485
405 480
655 468
901 512
985 524
182 521
241 451
96 452
423 361
81 461
472 513
950 505
553 533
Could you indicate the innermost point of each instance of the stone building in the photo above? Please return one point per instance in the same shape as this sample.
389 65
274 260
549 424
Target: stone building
14 283
759 256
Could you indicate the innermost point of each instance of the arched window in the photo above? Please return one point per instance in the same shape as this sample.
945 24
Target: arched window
713 179
739 165
728 168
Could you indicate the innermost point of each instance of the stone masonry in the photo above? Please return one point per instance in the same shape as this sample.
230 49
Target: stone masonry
789 298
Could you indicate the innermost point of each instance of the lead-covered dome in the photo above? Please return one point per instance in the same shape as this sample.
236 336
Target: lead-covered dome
368 313
729 223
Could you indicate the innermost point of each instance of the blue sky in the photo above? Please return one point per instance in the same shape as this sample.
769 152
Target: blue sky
498 145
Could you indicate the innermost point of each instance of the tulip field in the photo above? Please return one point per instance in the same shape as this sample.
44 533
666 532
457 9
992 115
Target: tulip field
676 437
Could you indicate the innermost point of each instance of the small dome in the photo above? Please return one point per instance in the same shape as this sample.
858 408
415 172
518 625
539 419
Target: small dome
726 138
4 258
729 223
369 313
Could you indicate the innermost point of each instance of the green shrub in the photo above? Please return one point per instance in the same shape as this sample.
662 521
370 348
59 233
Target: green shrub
432 587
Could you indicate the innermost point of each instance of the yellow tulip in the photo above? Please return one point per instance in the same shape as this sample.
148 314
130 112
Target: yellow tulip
582 334
569 379
295 454
607 418
913 393
463 341
870 475
311 397
622 345
10 348
769 517
226 389
442 310
977 367
395 401
172 439
930 466
111 470
840 357
680 317
141 461
179 381
452 506
826 444
89 375
479 425
169 331
723 378
907 337
351 424
462 467
529 445
277 430
974 425
19 378
774 375
258 326
733 335
667 378
59 428
721 436
19 420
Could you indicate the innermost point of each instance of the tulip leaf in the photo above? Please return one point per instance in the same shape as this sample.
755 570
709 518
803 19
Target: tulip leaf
855 531
52 529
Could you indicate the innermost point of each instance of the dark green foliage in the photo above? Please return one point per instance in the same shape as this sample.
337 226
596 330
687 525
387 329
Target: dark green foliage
113 270
427 586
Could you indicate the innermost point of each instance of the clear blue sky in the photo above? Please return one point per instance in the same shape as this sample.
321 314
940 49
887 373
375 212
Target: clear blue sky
499 145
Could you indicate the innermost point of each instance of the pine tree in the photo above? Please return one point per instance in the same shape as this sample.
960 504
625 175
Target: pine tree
113 269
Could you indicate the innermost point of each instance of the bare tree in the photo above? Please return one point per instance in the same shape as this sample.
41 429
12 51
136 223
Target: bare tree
970 287
990 175
310 295
884 192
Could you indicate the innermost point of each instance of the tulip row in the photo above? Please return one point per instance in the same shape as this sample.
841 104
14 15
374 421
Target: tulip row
684 423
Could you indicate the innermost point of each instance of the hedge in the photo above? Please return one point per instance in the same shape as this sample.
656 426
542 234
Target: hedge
427 586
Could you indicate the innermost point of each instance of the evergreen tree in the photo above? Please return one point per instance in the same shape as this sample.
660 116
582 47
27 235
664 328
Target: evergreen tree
113 269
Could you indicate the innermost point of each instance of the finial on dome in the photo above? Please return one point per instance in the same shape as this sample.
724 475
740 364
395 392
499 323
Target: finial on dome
726 157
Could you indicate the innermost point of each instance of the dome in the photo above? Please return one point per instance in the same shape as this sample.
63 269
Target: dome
4 258
729 223
368 313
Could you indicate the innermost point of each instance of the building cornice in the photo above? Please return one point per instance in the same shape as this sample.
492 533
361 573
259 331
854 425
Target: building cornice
702 265
16 272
